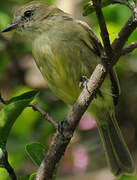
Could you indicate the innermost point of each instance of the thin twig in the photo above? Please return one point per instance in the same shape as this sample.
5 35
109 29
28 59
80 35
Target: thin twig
129 48
125 32
103 27
36 107
7 166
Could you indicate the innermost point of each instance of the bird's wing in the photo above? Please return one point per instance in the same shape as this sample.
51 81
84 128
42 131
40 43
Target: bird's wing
98 48
94 40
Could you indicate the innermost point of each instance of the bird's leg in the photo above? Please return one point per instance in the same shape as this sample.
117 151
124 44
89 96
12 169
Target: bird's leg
83 82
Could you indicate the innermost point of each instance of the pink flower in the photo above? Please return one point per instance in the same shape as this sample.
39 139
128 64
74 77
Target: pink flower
86 123
81 159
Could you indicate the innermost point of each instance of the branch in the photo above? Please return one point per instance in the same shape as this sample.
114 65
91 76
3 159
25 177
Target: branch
102 24
7 166
36 107
129 48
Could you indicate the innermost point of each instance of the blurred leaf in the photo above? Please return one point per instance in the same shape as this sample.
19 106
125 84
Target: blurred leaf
4 61
18 1
25 177
88 7
128 178
50 1
4 19
36 152
25 1
4 174
11 111
28 118
1 153
113 29
22 135
32 176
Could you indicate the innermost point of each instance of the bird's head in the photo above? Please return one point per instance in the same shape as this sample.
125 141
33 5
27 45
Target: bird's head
29 18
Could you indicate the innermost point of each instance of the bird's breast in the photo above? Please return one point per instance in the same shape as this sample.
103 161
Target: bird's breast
60 65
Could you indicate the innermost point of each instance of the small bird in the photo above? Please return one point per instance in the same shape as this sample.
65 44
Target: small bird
66 55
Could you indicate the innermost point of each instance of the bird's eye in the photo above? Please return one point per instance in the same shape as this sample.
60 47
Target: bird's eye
28 13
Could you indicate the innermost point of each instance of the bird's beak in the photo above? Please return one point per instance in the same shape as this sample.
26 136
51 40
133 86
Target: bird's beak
9 27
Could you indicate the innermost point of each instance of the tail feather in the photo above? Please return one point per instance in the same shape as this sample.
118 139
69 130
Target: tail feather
116 150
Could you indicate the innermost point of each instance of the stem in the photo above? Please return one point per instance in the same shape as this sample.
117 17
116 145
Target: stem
129 48
36 107
7 166
103 27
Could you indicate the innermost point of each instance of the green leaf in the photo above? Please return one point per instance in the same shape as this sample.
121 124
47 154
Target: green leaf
32 176
28 96
11 111
36 152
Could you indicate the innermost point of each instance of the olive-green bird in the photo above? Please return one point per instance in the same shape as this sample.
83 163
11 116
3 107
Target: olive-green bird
66 54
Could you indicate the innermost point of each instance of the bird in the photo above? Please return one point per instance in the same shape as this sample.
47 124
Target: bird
66 54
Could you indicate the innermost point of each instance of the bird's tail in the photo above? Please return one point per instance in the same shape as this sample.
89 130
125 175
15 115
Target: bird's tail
116 150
